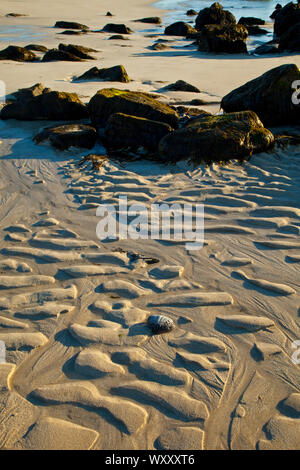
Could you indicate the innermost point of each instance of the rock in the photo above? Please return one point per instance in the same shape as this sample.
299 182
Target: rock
179 29
214 15
117 28
256 31
228 38
18 54
286 17
268 95
181 85
73 33
51 105
111 74
150 20
217 138
70 135
160 324
251 21
118 36
278 7
36 47
78 51
131 131
158 46
25 94
191 13
109 14
266 49
70 25
290 40
15 15
109 101
56 54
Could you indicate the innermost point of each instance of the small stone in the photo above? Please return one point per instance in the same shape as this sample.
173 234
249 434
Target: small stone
160 324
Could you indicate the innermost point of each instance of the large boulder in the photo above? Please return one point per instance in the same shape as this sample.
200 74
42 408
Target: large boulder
70 25
111 74
214 15
269 95
230 39
132 131
117 28
290 40
69 135
286 17
109 101
217 138
37 103
18 54
179 29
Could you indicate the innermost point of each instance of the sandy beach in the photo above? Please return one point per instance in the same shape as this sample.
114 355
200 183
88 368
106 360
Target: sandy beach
81 369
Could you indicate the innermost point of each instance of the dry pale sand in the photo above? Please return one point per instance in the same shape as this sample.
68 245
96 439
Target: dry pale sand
82 370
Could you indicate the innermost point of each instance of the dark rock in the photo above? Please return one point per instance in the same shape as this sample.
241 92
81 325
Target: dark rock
69 32
36 47
118 36
191 13
269 95
69 135
109 14
160 324
278 7
77 51
111 74
132 131
214 15
37 103
266 49
179 29
251 21
117 28
286 17
217 138
15 15
70 25
229 39
191 112
18 54
109 101
150 20
181 85
256 31
290 40
158 46
55 54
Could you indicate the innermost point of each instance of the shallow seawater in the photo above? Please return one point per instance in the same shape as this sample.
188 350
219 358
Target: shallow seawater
15 33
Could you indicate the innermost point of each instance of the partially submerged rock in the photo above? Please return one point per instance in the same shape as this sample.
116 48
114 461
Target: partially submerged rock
214 15
109 101
131 131
269 95
70 135
179 29
70 25
18 54
217 138
266 49
117 28
227 39
112 74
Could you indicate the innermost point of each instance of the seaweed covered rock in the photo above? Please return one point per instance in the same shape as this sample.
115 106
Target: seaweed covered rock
55 54
18 54
117 28
44 104
290 40
112 74
179 29
286 17
132 131
70 25
26 94
109 101
78 51
269 95
70 135
229 39
215 14
217 138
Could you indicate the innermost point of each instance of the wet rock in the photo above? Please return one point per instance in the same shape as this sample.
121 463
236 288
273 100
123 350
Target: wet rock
214 15
273 15
55 54
131 131
191 13
256 31
109 101
78 51
47 104
286 17
36 47
112 74
18 54
227 39
160 324
290 40
150 20
70 25
181 85
211 138
251 21
268 95
70 135
179 29
266 49
117 28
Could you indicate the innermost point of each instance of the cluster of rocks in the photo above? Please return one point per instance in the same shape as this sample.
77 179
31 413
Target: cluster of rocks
65 52
138 122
